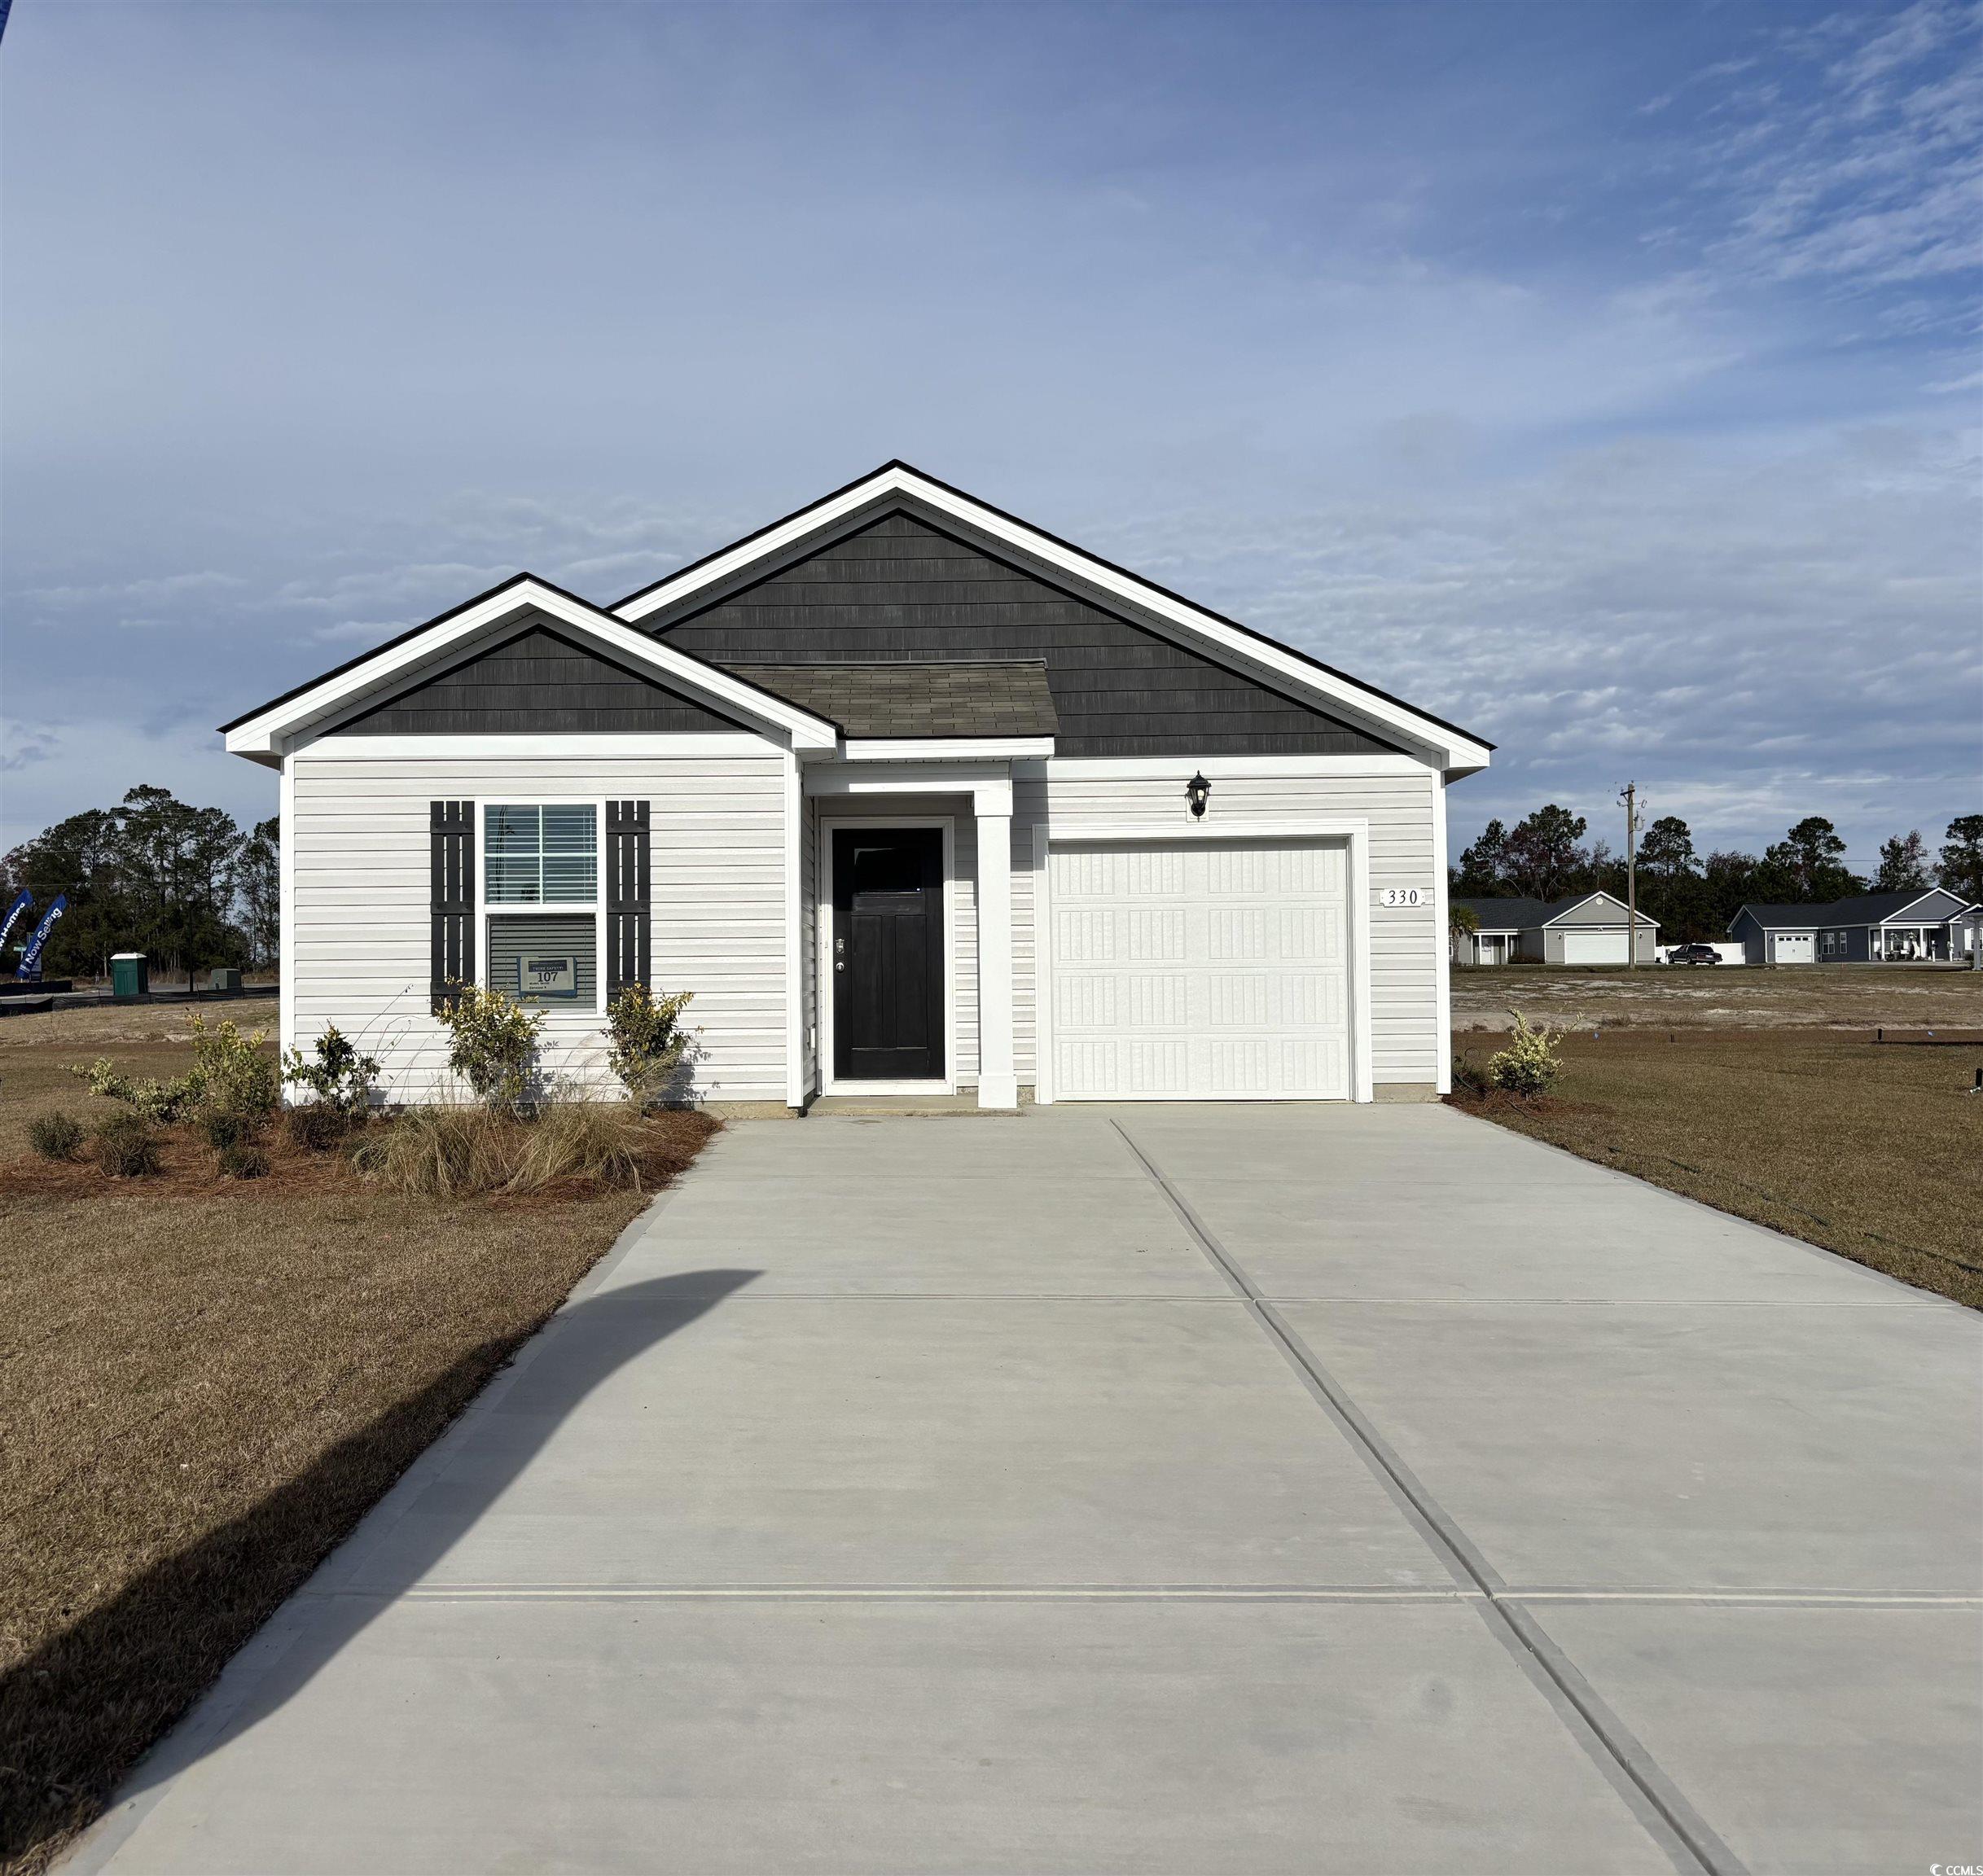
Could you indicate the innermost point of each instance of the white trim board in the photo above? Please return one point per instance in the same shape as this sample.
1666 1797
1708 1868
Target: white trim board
1353 831
822 872
1454 749
262 735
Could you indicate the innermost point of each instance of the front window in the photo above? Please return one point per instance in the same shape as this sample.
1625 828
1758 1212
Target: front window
546 855
542 854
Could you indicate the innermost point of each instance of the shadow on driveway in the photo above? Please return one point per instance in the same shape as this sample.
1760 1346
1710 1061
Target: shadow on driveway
73 1711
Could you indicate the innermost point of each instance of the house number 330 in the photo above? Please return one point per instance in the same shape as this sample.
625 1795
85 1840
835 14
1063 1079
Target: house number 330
1402 895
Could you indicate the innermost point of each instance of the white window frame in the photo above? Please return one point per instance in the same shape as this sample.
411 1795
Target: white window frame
824 874
485 908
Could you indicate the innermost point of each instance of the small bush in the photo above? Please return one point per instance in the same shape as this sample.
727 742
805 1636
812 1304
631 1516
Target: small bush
492 1045
225 1128
159 1101
317 1126
335 1073
647 1039
1529 1066
232 1073
126 1145
245 1158
55 1136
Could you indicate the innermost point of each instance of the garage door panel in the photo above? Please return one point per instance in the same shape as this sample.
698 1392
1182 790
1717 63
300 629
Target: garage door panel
1252 1002
1595 947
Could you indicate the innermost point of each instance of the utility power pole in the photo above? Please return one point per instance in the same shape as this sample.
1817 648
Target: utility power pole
1630 799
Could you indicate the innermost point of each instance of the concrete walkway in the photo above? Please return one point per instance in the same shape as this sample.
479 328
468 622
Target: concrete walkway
1148 1490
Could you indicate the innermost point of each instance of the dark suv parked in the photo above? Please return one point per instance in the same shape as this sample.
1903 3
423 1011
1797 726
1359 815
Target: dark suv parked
1693 954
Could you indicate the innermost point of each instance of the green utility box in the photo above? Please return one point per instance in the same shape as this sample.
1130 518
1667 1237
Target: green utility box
224 979
130 975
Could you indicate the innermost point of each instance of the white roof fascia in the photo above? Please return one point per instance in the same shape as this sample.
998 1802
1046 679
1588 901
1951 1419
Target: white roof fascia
261 736
947 749
1456 752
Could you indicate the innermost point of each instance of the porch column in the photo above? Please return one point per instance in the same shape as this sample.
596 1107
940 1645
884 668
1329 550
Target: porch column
997 1085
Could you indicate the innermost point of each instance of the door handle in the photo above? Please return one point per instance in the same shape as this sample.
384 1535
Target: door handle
840 954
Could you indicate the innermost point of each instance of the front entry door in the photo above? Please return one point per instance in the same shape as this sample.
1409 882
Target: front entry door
888 954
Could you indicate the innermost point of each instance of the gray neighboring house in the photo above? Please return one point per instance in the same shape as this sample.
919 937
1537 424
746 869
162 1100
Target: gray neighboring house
1913 927
1580 928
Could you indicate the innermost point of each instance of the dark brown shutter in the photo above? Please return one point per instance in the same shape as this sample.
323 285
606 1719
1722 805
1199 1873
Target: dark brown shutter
628 903
451 897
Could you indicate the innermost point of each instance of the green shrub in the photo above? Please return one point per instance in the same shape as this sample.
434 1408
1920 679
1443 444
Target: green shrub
1527 1066
316 1126
55 1136
492 1044
339 1076
225 1127
647 1040
244 1160
159 1101
233 1073
126 1145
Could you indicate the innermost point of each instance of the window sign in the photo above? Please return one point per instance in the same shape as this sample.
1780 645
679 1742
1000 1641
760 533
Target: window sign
541 854
541 973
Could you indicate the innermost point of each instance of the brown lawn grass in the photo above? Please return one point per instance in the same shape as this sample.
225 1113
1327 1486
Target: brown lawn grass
203 1385
1874 1151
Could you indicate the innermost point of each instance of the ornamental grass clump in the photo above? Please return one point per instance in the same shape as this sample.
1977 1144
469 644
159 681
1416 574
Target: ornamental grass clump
462 1152
646 1041
492 1044
55 1136
1529 1066
126 1145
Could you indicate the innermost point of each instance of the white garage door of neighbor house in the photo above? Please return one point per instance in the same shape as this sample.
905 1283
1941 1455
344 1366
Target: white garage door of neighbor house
1794 948
1595 947
1200 969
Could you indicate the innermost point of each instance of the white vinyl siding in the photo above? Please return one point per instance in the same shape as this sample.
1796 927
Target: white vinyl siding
1406 942
357 949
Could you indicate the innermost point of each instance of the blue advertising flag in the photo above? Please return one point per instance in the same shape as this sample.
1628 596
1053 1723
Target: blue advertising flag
13 913
30 970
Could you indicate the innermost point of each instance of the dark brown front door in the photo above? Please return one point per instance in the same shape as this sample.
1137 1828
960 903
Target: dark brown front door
888 954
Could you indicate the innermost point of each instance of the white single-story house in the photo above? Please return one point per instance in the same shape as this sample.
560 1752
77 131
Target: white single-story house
1579 928
1912 926
912 794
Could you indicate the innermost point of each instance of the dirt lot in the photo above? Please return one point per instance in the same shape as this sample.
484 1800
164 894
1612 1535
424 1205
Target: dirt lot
1873 1151
202 1389
1720 997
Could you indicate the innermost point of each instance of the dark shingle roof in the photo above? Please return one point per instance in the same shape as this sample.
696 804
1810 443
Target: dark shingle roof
1869 909
1524 915
1007 698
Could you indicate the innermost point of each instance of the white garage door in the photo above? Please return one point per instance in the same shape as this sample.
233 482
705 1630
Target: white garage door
1200 969
1794 948
1594 947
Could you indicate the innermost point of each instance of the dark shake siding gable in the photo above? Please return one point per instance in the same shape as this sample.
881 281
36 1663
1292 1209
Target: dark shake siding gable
899 589
537 681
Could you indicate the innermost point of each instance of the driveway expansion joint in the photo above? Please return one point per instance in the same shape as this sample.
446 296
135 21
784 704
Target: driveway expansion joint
1612 1744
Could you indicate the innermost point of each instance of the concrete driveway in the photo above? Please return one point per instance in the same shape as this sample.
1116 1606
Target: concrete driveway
1154 1489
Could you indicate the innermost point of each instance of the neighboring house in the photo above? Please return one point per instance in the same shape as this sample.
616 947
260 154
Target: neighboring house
1580 928
910 794
1881 928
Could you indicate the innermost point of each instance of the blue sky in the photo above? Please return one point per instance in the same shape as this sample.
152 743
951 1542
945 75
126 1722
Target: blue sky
1605 378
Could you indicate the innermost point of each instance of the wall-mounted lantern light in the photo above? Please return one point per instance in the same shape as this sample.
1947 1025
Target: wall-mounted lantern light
1198 791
